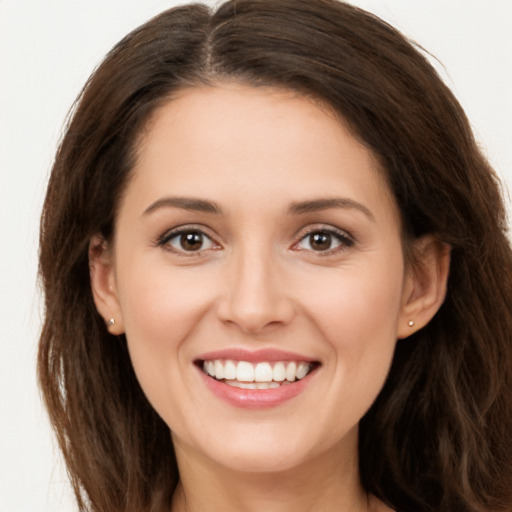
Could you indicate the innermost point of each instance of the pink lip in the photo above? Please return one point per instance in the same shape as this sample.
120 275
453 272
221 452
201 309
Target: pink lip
254 356
255 398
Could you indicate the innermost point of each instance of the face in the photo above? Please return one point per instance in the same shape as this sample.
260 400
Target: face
258 274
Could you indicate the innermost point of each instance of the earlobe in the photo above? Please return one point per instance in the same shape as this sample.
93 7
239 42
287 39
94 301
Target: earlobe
425 285
103 285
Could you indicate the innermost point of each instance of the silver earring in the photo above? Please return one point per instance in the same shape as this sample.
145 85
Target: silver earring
411 323
111 322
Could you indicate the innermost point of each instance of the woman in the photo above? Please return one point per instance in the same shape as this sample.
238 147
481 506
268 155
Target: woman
249 208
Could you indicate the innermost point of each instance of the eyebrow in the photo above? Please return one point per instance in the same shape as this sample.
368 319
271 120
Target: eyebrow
296 208
316 205
185 203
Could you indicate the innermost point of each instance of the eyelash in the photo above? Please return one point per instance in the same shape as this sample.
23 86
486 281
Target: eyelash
164 240
344 239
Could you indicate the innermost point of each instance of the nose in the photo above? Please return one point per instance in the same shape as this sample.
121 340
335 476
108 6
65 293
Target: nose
255 298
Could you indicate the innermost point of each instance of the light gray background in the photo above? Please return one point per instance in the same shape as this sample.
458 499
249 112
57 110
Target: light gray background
47 50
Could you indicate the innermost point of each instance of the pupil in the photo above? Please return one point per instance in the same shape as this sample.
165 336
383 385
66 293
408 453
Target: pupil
320 241
191 241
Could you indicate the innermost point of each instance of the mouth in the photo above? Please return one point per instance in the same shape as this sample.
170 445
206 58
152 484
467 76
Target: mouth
259 375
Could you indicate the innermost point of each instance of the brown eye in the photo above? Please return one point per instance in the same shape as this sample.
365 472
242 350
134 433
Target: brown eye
320 241
324 240
191 241
188 241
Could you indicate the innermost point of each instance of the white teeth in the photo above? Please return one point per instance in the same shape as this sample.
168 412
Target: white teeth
245 372
263 372
302 370
291 370
236 372
230 370
252 385
279 372
267 385
219 370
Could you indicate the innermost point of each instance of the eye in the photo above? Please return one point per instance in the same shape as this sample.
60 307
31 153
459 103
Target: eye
187 241
324 240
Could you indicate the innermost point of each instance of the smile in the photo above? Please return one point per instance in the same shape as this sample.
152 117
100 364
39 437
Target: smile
256 379
261 375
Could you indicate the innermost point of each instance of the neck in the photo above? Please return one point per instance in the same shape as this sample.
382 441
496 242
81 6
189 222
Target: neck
329 482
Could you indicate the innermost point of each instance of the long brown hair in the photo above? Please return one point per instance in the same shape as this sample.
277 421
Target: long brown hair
439 436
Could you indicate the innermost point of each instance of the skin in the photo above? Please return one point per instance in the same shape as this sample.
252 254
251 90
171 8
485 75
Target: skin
258 282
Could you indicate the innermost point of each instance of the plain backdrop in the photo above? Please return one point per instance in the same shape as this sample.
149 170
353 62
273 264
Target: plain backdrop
47 50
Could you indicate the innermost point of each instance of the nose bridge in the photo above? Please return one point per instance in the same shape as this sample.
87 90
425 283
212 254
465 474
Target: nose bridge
255 296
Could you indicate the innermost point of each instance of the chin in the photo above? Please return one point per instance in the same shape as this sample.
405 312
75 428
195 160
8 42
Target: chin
256 460
260 448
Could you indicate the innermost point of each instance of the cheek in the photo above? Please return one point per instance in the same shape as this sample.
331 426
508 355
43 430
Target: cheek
361 304
358 317
159 302
161 311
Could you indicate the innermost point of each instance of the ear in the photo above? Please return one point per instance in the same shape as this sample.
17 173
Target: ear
425 284
103 284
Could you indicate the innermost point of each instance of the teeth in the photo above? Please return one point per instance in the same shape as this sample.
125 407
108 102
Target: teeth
256 376
279 372
244 372
219 370
302 370
252 385
291 370
229 370
263 372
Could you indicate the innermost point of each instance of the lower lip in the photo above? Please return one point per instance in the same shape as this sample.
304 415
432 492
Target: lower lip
255 398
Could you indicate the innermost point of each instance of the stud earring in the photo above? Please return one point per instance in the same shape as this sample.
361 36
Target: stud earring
411 323
111 322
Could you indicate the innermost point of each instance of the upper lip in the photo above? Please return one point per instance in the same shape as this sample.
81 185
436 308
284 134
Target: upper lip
254 356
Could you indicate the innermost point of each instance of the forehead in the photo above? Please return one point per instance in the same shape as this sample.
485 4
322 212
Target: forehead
243 140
